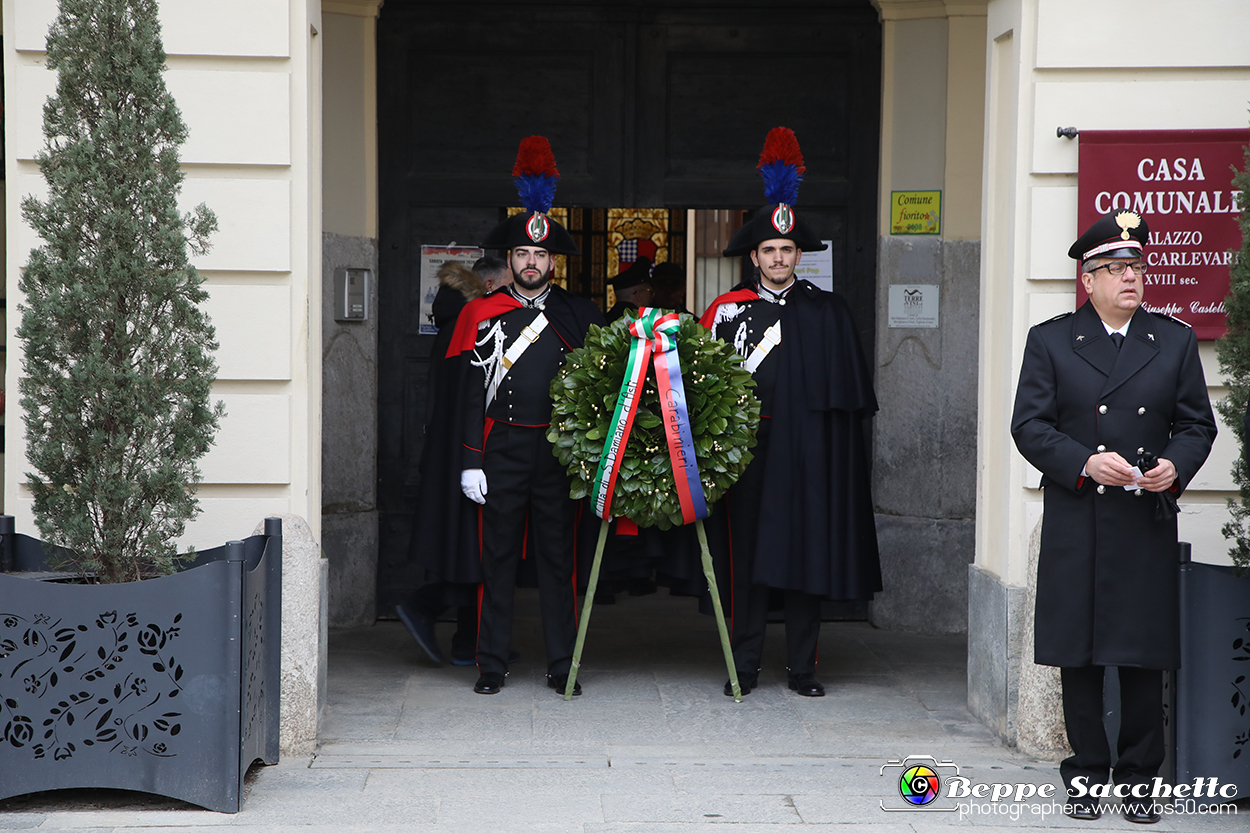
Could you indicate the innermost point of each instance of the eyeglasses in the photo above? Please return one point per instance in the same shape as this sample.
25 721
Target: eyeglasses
1117 268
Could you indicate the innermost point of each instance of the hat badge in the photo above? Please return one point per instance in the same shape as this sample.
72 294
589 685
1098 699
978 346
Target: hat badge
783 218
1127 220
537 228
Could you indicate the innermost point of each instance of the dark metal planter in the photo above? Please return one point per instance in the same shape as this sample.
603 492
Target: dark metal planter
1212 711
167 686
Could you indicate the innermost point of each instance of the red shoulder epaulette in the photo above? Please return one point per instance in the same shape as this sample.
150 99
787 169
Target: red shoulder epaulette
464 336
734 297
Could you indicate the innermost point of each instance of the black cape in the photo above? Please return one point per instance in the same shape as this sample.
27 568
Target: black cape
817 533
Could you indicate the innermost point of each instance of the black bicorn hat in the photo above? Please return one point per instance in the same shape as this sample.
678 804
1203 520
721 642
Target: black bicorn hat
535 175
781 166
639 272
1121 233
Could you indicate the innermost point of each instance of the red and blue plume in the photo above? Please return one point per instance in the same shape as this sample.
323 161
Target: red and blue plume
781 165
535 174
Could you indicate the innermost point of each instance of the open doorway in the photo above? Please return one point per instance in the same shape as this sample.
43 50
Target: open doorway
664 109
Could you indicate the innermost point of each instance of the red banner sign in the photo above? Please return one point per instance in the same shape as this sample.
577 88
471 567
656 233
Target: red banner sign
1180 181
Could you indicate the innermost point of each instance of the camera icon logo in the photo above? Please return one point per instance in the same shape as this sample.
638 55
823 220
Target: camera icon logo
919 783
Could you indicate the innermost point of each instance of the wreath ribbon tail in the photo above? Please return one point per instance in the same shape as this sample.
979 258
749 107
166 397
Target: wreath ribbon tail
622 421
681 449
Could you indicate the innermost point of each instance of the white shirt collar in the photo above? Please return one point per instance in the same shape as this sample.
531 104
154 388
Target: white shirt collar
1122 331
771 296
537 302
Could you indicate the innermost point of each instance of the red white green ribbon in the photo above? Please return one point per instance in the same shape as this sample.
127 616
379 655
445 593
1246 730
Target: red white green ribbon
654 333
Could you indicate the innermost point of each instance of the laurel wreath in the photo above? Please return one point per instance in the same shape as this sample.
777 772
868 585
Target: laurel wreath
724 414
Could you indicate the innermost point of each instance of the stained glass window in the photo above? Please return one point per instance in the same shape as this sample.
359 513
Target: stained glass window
610 239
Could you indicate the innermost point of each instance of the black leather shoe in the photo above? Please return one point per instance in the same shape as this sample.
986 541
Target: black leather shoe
807 685
422 629
1083 810
1139 813
560 682
746 682
489 683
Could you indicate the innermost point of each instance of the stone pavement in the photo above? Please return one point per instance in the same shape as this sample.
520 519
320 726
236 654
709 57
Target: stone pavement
653 746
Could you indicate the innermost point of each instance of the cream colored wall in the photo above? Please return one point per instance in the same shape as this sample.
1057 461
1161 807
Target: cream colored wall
913 107
1177 65
932 107
965 120
245 74
350 135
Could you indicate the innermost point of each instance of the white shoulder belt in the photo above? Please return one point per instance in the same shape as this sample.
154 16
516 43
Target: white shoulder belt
527 337
772 337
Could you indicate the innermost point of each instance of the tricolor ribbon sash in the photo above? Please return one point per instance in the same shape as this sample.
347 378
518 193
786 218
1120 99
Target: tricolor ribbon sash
654 333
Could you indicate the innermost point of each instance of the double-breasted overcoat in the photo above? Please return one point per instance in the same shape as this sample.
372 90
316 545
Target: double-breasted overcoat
1107 582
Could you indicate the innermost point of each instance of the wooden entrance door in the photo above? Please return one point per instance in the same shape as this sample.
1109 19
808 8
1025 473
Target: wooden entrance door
644 107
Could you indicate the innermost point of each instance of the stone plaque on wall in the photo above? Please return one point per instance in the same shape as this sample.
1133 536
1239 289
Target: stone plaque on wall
913 306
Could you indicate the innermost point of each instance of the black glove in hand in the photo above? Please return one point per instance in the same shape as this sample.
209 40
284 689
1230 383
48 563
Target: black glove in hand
1165 507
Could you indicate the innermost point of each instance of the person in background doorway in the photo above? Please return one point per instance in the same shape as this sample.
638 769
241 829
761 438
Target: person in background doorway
632 287
435 529
493 271
669 281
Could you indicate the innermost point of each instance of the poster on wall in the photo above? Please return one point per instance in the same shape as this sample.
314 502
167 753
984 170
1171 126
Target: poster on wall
1180 182
432 259
817 267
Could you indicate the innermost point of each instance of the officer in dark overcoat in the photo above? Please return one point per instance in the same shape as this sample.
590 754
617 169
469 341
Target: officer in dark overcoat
1112 408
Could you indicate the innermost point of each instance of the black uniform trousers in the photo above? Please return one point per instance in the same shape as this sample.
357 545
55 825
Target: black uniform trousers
749 610
525 483
1140 747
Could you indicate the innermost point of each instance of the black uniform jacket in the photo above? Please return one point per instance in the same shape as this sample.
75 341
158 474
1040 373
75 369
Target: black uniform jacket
1107 574
816 531
447 521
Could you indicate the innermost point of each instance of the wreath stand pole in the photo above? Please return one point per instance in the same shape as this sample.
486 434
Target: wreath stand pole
720 613
586 607
589 604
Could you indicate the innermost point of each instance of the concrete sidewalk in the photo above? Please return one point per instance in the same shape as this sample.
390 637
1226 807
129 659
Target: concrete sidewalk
653 746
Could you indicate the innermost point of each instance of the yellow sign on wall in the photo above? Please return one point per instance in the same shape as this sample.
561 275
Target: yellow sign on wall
915 212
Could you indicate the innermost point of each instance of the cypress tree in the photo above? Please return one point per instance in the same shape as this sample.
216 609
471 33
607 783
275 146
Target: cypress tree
1234 354
118 364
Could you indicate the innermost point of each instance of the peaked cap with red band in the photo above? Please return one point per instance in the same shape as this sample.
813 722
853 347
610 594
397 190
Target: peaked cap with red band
535 175
781 166
1121 233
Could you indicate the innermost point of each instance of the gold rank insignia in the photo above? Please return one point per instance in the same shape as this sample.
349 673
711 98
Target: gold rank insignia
1127 220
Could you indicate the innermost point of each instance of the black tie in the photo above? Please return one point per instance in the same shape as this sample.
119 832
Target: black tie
1117 339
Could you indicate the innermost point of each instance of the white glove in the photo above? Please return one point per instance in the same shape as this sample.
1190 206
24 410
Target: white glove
473 484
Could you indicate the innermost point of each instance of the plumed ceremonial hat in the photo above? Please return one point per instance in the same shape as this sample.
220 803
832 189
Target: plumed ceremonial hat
781 166
535 175
638 272
1121 233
